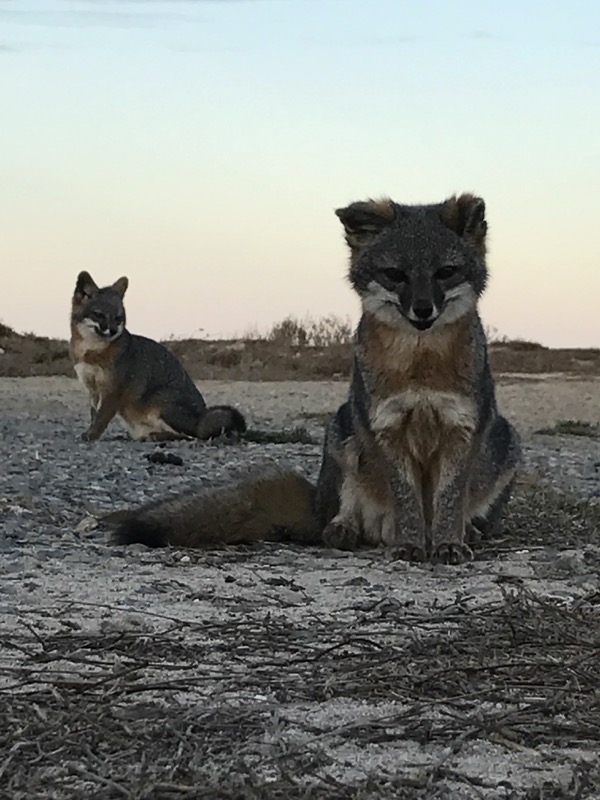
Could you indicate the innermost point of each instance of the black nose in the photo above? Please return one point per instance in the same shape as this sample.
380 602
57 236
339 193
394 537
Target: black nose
422 309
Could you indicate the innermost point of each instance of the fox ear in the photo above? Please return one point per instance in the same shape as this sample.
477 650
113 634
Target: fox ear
363 221
120 286
465 215
85 286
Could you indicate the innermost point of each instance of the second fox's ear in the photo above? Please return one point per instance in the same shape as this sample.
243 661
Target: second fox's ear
85 286
363 221
120 286
465 215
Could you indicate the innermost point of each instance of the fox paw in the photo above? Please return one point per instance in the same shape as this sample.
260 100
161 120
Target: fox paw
451 553
410 552
88 436
340 536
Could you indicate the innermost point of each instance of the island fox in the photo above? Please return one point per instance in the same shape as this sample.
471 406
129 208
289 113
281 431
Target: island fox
418 454
135 377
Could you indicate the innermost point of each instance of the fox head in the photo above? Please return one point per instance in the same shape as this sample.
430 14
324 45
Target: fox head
99 311
421 266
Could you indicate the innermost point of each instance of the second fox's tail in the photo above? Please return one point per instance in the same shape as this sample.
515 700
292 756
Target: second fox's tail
278 505
219 420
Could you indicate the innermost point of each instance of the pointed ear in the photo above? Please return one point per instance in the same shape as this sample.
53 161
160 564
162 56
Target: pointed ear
465 215
85 286
364 221
120 286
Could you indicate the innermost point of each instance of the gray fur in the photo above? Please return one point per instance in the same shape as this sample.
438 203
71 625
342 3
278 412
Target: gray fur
134 376
419 453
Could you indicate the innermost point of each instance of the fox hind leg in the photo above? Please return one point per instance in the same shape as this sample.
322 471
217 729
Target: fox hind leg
493 478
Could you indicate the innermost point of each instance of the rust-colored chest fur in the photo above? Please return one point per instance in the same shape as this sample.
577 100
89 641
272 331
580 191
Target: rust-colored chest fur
421 386
441 361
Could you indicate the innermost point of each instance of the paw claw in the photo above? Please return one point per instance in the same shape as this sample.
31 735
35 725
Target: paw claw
410 552
453 554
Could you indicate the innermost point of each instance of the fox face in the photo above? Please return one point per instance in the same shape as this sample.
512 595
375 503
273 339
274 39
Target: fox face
99 311
417 266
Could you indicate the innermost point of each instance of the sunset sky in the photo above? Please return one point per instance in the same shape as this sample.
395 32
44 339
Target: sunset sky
201 147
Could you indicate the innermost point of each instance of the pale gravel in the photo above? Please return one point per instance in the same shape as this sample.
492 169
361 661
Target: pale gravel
56 479
57 565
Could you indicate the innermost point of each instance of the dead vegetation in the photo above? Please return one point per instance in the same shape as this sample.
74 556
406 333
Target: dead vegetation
572 427
98 715
229 709
293 350
541 516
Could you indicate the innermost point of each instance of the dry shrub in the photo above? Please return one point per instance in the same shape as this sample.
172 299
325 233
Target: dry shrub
322 332
572 427
6 331
519 345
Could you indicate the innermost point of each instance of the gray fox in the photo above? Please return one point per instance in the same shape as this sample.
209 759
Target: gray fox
135 377
419 451
418 455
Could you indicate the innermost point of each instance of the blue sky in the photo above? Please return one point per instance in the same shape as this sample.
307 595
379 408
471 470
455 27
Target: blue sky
200 148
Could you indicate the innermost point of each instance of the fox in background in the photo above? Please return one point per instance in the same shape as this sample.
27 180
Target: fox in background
136 377
418 456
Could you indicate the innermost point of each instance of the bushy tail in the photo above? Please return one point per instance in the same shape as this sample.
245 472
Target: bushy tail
219 420
278 505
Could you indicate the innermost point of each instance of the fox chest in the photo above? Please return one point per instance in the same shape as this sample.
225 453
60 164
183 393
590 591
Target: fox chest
96 379
419 422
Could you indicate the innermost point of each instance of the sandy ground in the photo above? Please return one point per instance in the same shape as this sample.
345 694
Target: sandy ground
533 402
296 660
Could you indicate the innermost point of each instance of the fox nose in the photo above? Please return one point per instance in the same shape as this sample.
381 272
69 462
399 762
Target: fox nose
422 309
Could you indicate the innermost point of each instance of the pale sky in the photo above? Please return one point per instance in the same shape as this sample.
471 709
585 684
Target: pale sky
201 147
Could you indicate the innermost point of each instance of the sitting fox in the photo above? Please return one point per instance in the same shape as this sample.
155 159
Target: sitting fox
135 377
418 454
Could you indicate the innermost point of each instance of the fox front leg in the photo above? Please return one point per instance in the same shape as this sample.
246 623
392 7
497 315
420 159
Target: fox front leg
448 532
99 419
411 540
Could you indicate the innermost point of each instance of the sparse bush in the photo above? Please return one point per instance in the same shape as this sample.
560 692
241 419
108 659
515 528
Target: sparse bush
322 332
519 345
496 339
330 330
289 331
493 335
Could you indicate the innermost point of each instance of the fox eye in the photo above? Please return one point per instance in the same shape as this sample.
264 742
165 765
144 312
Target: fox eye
395 275
445 272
